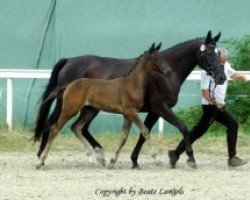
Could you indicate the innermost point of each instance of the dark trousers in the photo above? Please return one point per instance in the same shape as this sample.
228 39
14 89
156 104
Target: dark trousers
211 114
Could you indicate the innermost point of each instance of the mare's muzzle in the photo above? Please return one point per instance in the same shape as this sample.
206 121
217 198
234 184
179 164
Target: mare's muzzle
218 74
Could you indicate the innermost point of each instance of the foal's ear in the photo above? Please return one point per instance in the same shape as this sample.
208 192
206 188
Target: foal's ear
217 37
158 47
209 37
152 48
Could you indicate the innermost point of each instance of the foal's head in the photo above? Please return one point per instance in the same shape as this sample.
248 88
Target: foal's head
150 60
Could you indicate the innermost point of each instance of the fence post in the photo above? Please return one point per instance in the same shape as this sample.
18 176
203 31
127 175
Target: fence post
9 104
161 126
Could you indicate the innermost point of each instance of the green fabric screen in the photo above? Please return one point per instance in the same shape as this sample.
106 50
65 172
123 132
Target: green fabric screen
36 33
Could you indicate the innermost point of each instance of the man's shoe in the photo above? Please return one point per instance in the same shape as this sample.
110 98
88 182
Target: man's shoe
235 161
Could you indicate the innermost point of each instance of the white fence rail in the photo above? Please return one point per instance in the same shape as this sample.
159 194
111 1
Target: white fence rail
45 74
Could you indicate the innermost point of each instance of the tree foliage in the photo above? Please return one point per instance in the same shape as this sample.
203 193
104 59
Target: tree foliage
238 94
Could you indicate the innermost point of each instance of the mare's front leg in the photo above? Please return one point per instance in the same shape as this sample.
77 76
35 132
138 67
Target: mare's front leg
149 122
165 112
125 131
46 130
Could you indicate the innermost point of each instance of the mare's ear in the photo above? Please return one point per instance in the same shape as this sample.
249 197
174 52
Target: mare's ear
209 37
217 37
152 48
158 47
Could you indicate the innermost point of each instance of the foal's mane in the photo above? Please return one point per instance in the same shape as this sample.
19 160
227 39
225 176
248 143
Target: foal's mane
134 66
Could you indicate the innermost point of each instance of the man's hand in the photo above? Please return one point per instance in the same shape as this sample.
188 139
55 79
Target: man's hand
239 77
211 100
218 105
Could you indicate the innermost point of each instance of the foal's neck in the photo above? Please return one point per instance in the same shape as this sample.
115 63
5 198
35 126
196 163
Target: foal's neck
138 75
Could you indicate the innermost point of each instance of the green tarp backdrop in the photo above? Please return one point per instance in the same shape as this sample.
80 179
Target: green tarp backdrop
36 33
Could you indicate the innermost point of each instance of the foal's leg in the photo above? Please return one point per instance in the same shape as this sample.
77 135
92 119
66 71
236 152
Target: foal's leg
77 126
125 131
149 122
52 135
85 132
69 109
144 130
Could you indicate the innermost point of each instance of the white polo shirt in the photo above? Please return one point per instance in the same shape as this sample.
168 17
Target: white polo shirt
207 83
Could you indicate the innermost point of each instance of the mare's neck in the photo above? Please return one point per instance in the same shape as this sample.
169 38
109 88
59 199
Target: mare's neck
182 58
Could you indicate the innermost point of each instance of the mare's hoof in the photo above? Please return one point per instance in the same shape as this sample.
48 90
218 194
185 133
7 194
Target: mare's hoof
136 167
172 159
191 163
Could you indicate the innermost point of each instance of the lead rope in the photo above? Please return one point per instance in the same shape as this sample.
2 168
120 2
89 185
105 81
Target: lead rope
213 99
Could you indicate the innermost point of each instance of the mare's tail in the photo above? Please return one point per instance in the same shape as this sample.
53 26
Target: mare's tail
47 100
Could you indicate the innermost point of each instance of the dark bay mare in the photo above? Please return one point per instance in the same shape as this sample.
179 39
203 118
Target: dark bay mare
127 95
162 90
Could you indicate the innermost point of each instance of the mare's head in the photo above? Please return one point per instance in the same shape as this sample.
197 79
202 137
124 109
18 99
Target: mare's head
152 61
208 58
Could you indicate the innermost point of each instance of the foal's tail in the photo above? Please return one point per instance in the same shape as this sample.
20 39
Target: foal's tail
46 102
54 94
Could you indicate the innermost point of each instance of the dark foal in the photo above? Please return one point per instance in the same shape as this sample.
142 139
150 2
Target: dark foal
121 95
161 92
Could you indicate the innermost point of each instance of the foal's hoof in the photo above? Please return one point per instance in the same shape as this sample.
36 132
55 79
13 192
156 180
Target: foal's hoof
191 163
172 158
111 167
102 161
100 157
111 164
153 153
91 160
39 165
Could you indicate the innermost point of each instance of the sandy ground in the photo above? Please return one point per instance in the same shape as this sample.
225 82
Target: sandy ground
69 175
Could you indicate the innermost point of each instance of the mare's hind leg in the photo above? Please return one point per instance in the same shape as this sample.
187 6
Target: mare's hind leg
77 126
125 131
133 116
52 119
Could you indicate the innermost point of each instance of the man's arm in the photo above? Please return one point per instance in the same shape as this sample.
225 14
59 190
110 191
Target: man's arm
238 77
210 99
